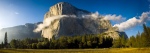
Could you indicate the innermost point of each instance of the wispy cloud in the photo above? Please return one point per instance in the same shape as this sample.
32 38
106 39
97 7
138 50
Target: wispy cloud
114 17
95 15
47 22
132 22
16 13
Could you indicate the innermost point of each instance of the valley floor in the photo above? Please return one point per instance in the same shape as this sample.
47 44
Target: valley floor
105 50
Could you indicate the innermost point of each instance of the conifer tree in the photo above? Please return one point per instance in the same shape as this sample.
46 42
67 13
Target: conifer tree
5 40
146 36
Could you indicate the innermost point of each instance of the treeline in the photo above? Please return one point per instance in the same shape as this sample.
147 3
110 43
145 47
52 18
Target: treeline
81 41
140 40
64 42
84 41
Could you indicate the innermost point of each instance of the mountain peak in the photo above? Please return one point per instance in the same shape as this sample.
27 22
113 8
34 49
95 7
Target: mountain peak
63 3
64 8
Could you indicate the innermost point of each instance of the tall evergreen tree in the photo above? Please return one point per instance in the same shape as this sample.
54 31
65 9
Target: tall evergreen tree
123 41
146 36
138 41
145 29
5 40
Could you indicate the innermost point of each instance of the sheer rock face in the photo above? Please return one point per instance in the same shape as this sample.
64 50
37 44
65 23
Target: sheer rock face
76 26
64 8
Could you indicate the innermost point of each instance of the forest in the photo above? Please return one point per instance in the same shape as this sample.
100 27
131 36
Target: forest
141 40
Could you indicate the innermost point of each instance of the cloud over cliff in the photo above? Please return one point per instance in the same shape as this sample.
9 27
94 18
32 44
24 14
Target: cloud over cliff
95 15
132 22
47 22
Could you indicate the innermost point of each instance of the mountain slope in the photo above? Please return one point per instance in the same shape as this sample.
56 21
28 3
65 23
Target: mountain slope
20 32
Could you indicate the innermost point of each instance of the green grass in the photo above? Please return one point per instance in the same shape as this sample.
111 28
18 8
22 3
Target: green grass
107 50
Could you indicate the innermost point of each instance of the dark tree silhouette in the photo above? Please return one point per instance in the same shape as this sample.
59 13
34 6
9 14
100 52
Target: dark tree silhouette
5 40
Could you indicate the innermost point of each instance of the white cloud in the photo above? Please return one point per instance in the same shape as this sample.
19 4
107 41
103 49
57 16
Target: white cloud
114 17
122 26
95 15
132 22
47 22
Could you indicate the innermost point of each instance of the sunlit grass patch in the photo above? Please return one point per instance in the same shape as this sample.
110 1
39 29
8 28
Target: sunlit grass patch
105 50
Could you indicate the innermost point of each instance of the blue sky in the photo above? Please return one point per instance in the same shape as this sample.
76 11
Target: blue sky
19 12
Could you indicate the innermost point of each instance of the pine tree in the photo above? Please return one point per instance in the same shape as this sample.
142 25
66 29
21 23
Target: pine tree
132 41
5 40
13 43
117 43
146 36
145 29
138 40
2 45
123 41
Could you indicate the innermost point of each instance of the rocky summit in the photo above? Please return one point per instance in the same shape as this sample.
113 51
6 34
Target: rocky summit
68 26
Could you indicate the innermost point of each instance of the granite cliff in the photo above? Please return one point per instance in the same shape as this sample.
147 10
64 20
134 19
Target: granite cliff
77 25
68 26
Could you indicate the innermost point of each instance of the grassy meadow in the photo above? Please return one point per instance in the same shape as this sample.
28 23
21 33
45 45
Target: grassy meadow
106 50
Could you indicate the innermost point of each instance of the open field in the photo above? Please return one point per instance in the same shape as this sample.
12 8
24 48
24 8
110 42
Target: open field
107 50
